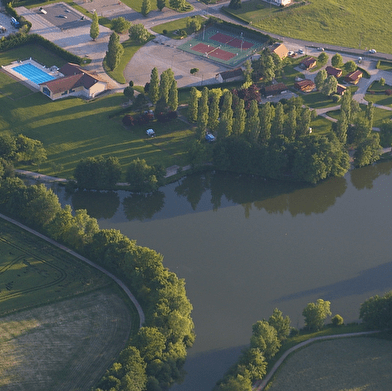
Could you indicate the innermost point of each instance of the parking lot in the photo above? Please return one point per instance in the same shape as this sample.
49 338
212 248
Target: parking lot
63 16
5 21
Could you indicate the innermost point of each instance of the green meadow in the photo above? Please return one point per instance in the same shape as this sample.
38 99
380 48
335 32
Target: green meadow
359 24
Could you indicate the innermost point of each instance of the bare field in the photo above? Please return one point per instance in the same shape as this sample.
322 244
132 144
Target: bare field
64 346
352 364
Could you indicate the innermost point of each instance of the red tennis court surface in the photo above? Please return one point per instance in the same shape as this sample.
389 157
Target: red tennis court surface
213 52
228 40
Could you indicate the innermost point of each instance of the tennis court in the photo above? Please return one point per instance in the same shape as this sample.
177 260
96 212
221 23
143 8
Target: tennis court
227 47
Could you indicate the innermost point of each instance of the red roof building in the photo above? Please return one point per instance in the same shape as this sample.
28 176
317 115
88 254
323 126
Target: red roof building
274 89
340 90
308 63
354 77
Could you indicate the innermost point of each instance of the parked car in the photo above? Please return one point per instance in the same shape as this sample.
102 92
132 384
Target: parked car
150 132
320 49
360 60
372 51
62 17
291 53
300 51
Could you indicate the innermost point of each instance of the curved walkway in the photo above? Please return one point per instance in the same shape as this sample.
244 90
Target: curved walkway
261 384
110 275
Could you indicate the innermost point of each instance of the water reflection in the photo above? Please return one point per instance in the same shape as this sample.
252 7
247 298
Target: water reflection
99 204
143 206
364 178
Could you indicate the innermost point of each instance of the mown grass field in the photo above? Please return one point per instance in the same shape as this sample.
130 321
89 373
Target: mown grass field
33 273
172 27
73 129
353 23
356 364
63 346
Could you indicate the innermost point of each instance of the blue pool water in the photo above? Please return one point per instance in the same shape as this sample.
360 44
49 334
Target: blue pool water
33 73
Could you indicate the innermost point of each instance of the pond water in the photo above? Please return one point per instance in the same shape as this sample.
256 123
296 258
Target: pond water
246 245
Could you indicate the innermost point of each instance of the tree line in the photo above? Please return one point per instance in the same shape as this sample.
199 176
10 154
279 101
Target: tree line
154 357
268 336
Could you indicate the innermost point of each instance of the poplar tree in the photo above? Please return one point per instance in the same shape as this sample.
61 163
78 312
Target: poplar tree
370 113
252 126
153 92
213 117
278 121
161 4
164 86
94 28
239 118
202 117
291 123
173 96
193 105
303 122
341 128
146 7
115 51
226 118
265 122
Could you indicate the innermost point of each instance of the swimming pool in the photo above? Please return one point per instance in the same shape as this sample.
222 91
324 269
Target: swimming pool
31 72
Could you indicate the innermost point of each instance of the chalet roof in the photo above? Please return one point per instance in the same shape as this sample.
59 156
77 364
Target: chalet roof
354 75
333 71
305 83
230 74
340 89
308 62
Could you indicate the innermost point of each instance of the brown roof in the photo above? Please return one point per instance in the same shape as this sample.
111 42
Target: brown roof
340 89
309 62
333 71
305 85
352 76
230 74
74 77
275 88
280 50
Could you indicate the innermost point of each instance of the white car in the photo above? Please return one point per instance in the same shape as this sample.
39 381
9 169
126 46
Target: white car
372 51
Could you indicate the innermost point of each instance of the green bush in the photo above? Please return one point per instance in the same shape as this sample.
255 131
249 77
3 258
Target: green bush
337 320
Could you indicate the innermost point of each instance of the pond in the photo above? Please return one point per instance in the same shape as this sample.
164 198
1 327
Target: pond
246 245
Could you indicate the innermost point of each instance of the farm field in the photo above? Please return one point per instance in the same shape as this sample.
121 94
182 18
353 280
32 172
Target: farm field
336 365
326 21
33 272
62 346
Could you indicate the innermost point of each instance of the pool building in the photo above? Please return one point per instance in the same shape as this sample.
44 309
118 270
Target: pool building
57 83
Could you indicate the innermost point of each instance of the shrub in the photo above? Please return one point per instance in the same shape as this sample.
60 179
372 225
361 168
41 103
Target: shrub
337 320
128 120
194 70
382 81
164 31
388 92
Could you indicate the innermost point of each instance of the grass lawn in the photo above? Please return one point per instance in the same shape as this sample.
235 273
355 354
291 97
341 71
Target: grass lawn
345 364
385 66
317 100
321 126
172 27
381 99
137 5
34 273
326 21
72 129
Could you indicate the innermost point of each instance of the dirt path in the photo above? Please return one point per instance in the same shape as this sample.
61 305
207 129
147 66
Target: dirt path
68 250
260 385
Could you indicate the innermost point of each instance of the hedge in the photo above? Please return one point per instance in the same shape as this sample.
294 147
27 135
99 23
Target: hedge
20 39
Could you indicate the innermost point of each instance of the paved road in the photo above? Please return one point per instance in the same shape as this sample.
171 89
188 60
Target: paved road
258 386
68 250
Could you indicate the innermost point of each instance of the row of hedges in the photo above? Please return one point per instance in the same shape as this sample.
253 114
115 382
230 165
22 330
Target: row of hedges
250 33
25 25
15 40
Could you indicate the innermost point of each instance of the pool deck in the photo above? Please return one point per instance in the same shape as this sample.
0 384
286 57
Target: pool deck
9 69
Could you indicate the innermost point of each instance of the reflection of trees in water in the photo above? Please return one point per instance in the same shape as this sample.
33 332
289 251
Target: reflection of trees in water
252 191
362 178
192 188
143 206
98 204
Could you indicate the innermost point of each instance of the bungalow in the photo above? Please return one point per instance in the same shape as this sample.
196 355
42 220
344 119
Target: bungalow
340 90
305 85
354 77
228 76
280 50
308 63
333 71
74 82
274 89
